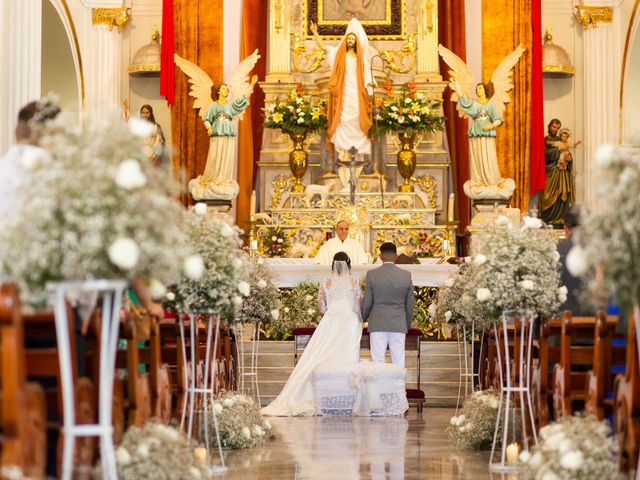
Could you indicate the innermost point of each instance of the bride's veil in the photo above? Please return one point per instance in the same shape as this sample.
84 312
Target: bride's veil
341 285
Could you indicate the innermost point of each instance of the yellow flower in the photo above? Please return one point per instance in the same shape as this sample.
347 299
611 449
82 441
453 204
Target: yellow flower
277 117
315 114
424 110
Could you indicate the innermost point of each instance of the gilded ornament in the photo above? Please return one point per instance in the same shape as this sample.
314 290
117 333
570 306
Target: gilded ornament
397 60
298 160
406 160
111 17
591 16
428 184
279 184
304 61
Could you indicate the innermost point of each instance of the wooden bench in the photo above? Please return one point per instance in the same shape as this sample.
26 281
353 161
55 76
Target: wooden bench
548 355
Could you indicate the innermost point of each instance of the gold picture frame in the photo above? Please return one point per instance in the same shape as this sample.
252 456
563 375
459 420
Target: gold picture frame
381 19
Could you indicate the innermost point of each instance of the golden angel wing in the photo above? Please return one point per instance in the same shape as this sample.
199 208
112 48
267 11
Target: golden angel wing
501 79
460 77
200 84
238 82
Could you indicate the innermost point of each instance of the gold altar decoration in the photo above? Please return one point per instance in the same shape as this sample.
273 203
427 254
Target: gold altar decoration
555 59
111 17
298 160
279 185
397 60
428 185
146 61
591 16
305 62
406 160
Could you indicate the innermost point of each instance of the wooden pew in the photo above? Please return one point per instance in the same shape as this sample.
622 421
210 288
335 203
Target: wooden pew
569 384
548 355
23 413
609 359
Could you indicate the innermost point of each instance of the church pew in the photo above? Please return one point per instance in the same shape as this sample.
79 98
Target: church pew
23 413
548 355
608 360
570 374
626 408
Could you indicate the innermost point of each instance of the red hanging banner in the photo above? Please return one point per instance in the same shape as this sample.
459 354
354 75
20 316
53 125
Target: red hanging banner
537 166
167 67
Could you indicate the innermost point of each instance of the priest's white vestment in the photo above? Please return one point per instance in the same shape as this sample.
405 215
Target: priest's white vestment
351 247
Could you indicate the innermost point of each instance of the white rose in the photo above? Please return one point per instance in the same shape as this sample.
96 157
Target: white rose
565 446
156 289
479 259
129 175
572 460
124 253
605 154
275 314
170 296
261 283
218 408
453 420
226 230
524 456
200 208
123 457
536 460
483 294
447 315
141 128
286 309
531 223
577 261
143 449
460 420
274 238
462 429
503 221
244 288
562 294
257 430
449 282
527 285
246 433
227 402
194 267
236 300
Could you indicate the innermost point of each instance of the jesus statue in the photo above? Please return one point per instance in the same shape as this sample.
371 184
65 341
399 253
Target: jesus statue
350 88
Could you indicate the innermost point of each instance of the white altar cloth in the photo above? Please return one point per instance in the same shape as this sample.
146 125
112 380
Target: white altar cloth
291 271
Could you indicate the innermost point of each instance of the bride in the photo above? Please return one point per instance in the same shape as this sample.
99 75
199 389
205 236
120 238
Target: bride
335 340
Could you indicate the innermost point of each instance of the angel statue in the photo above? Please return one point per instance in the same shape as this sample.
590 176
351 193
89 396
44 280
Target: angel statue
232 99
486 115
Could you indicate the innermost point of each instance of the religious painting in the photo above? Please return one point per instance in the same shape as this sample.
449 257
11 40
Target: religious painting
381 19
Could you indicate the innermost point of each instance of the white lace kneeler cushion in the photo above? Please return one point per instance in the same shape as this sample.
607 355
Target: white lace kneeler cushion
363 389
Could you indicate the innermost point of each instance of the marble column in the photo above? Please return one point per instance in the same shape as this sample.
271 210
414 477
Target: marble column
279 58
601 63
427 64
20 51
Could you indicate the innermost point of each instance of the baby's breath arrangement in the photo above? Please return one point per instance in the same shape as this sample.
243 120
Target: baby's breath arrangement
577 447
94 207
473 429
263 305
216 280
299 309
513 270
240 423
156 452
447 307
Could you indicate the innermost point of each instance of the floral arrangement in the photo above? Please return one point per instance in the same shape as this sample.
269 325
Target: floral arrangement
410 113
157 451
299 309
274 242
474 428
421 318
609 238
240 423
263 305
428 245
94 207
577 447
297 113
448 307
217 279
513 270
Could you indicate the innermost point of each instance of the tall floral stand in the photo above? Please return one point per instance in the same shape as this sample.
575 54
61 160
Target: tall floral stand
515 410
204 393
469 375
249 371
109 295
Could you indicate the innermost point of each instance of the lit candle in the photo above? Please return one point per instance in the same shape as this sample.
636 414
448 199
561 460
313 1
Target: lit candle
200 455
452 197
252 206
513 451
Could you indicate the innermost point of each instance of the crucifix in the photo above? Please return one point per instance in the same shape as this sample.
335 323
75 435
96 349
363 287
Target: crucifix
353 166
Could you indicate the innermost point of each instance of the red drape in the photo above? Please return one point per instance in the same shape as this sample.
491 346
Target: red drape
452 34
537 170
254 35
167 71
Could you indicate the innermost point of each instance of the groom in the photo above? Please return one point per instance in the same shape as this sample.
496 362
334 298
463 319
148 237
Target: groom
388 306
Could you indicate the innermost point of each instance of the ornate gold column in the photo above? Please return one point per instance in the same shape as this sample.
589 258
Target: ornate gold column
427 66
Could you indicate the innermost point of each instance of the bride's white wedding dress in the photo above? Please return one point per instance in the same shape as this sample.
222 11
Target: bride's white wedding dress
335 340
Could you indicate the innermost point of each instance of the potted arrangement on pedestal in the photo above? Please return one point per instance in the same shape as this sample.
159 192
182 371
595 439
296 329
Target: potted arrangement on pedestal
297 116
409 115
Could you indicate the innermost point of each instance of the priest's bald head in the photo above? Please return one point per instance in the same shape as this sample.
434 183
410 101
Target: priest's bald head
342 230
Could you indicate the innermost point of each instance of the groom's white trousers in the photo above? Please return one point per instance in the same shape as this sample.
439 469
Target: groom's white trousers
394 340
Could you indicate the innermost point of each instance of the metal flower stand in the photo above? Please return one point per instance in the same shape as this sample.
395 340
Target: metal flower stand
515 410
249 371
205 392
109 294
470 374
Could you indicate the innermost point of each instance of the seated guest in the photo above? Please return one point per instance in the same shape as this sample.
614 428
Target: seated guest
341 243
574 303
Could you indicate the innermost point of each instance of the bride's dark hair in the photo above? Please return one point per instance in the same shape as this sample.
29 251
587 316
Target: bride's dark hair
340 257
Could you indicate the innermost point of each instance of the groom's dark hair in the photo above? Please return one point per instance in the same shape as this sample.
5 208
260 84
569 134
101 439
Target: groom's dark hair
341 257
388 248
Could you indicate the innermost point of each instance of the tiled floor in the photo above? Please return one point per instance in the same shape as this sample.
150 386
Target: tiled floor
336 448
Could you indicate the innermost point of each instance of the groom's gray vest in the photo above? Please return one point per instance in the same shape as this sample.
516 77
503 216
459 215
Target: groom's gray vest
388 299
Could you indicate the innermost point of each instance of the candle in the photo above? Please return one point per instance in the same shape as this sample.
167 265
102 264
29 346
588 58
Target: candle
452 197
513 451
200 455
252 206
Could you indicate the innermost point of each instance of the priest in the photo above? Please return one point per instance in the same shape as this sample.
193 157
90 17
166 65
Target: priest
341 243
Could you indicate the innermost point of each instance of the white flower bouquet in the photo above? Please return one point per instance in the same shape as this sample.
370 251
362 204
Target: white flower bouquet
240 423
215 280
473 429
157 451
299 309
513 271
263 305
577 447
448 307
94 207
